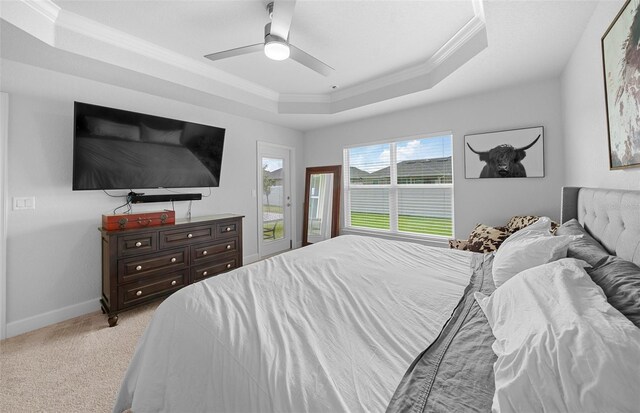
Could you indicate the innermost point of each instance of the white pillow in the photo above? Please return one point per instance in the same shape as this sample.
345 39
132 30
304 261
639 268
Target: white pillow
560 345
529 247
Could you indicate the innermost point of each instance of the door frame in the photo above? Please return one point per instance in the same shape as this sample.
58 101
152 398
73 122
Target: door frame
4 139
260 147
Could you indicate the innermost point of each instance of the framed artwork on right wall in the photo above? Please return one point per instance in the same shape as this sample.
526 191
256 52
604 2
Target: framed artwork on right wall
621 63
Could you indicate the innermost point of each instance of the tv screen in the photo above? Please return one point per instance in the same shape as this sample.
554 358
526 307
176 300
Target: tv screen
118 149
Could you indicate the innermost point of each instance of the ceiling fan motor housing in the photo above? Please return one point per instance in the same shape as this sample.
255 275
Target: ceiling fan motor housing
272 37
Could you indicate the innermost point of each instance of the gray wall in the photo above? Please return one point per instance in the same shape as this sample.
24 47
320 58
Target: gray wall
53 252
586 141
490 201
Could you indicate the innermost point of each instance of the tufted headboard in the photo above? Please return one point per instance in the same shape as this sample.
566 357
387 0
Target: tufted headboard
611 216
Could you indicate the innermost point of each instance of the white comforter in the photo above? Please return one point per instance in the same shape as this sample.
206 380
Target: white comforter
326 328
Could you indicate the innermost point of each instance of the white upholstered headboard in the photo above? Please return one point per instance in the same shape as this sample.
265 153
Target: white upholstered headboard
611 216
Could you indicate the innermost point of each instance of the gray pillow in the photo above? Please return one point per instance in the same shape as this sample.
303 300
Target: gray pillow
620 281
585 248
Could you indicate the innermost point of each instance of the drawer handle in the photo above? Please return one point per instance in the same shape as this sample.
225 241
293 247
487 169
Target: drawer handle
173 259
174 282
189 235
204 252
139 267
228 265
139 293
138 244
228 247
205 272
228 229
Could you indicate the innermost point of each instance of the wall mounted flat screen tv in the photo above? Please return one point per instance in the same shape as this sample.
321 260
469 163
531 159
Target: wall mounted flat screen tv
118 149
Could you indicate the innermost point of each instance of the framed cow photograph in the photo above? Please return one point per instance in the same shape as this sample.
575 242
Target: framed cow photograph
515 153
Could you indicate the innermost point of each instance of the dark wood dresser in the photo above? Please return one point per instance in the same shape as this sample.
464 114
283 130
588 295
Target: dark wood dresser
140 265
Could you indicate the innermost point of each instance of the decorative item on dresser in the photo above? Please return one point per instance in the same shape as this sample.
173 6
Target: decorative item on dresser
139 265
145 219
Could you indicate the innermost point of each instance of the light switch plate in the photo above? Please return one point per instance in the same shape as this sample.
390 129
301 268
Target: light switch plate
24 203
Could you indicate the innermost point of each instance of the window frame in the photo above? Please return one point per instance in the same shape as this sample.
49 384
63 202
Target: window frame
393 186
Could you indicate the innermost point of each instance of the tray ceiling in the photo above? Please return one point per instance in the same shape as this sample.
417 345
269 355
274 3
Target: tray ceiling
388 55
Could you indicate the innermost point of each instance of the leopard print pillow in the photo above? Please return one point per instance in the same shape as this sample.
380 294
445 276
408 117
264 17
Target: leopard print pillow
519 222
458 244
487 239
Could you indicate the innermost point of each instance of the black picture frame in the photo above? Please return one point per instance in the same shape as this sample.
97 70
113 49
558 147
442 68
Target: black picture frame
523 147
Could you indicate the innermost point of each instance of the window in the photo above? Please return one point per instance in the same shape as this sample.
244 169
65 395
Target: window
404 186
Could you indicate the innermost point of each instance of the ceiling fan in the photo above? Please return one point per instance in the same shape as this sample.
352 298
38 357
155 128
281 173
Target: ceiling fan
276 44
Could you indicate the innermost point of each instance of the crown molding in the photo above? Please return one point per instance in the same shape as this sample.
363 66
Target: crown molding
76 34
32 16
304 98
473 31
73 33
91 29
48 9
473 28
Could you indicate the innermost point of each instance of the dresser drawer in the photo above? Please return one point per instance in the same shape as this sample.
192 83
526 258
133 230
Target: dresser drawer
209 251
137 244
228 229
200 272
130 269
150 288
186 236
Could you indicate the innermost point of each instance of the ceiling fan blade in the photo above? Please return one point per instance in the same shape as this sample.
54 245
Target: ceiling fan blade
282 16
236 52
309 61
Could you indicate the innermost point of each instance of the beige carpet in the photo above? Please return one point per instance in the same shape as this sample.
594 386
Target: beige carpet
73 366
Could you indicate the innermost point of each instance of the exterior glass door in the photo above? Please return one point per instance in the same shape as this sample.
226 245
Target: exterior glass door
274 200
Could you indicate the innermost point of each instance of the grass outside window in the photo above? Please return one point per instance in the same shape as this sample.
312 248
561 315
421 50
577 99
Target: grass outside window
406 223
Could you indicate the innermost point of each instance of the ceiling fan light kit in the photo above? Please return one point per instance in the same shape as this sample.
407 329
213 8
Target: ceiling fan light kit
276 49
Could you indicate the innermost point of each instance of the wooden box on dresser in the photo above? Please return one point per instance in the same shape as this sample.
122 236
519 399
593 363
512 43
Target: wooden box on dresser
140 265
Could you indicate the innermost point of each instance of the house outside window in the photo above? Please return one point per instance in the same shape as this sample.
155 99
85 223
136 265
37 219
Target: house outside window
403 186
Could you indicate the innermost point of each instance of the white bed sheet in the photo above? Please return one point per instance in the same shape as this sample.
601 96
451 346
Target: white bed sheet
329 327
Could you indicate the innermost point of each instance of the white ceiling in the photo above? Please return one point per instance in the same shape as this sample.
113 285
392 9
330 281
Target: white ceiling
388 55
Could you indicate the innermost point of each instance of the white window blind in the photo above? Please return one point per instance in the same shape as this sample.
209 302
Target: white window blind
403 186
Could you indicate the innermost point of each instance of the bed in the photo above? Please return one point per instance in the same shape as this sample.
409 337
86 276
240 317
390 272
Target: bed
365 324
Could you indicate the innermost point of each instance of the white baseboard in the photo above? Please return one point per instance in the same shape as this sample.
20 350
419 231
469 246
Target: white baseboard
42 320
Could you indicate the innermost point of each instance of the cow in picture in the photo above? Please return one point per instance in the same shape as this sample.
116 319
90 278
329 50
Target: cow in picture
503 161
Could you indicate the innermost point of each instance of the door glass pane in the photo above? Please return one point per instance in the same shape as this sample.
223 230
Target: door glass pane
272 199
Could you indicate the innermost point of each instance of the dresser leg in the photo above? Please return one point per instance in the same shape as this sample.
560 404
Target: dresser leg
113 320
